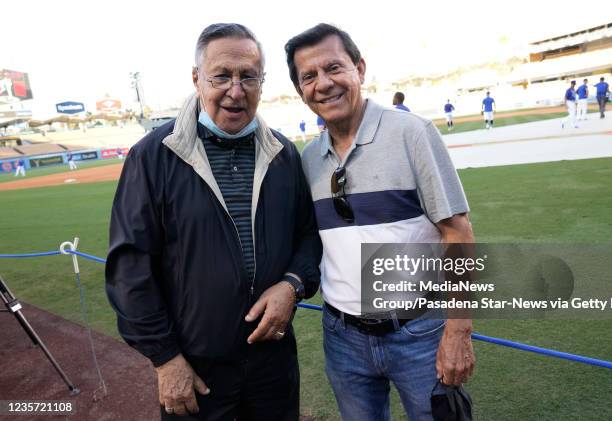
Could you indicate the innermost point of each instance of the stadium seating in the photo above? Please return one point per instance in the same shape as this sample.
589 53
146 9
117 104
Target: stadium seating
99 137
39 149
6 152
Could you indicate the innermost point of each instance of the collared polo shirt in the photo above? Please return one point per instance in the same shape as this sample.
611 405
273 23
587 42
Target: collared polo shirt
232 162
400 182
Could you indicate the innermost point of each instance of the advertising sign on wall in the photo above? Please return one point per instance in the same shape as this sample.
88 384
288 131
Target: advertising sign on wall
8 166
45 161
70 107
113 153
14 86
108 105
84 156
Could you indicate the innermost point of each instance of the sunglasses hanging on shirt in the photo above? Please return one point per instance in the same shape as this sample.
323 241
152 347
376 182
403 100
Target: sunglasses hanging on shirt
341 204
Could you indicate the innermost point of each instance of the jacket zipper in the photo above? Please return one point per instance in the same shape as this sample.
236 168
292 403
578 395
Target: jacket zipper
252 287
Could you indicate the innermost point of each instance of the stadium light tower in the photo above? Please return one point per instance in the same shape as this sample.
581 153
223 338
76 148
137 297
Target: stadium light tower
135 82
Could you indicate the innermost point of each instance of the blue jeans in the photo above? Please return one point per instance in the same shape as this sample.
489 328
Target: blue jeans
360 368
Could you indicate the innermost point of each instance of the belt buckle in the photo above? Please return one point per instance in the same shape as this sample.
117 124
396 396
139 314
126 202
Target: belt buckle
373 324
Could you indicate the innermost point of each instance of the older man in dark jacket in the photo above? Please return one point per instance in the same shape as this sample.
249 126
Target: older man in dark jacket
212 242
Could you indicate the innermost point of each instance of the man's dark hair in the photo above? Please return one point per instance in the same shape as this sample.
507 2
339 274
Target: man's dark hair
398 98
601 79
313 36
224 30
573 82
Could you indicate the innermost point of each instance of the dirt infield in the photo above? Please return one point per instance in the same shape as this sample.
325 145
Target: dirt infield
25 372
86 175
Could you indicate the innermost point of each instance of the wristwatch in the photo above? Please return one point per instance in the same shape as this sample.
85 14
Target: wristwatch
298 287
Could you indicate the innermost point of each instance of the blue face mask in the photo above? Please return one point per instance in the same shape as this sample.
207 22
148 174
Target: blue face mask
210 125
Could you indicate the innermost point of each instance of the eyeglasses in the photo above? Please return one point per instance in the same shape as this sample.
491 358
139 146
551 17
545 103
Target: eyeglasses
341 204
225 82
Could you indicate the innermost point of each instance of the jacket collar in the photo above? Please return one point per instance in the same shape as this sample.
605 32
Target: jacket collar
186 144
184 139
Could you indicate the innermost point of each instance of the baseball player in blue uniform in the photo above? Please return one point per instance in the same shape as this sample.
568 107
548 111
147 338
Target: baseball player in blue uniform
71 164
570 102
398 102
488 106
20 169
603 89
303 130
583 96
448 111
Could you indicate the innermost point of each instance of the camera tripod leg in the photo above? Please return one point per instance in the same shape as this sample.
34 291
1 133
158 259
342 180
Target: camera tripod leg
14 307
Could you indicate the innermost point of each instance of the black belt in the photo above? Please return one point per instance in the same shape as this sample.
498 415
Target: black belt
369 326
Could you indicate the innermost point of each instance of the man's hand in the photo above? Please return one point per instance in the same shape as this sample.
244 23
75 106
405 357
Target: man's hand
276 304
455 359
177 381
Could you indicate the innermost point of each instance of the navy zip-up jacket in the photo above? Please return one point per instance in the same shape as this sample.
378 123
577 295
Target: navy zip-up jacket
175 274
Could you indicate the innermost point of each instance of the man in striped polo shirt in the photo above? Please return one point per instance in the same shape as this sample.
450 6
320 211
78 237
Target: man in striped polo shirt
377 175
213 240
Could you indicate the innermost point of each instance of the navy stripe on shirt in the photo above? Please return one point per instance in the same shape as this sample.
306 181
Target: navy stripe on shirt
380 207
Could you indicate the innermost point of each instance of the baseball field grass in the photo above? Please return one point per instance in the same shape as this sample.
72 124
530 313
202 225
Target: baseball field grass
566 202
475 122
467 126
505 118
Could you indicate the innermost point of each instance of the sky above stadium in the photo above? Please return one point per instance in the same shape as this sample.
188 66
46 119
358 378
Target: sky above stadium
83 50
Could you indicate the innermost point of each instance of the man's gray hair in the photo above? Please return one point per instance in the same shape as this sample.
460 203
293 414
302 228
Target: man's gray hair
224 30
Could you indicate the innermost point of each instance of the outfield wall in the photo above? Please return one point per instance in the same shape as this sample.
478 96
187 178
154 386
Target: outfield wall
54 159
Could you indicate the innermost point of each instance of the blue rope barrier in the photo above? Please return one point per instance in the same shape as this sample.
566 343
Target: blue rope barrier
543 351
52 253
310 306
24 255
483 338
87 256
516 345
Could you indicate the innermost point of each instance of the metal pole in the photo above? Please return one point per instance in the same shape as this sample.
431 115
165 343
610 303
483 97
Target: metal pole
136 84
14 307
